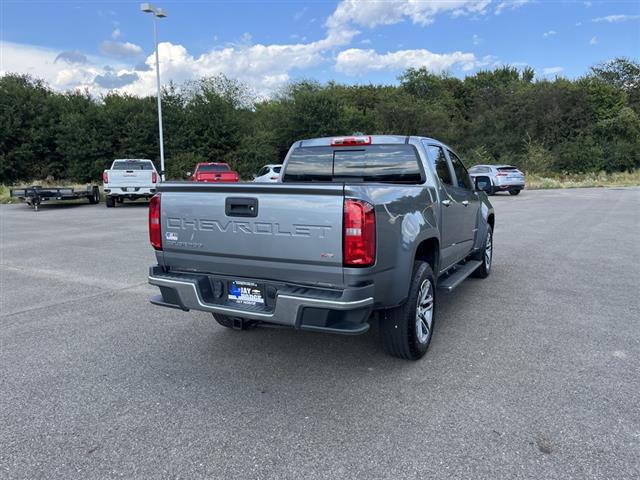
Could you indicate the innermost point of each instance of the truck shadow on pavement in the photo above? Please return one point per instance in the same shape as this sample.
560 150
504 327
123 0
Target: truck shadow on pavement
267 358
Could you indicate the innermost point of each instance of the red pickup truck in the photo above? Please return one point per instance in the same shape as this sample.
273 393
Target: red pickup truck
214 172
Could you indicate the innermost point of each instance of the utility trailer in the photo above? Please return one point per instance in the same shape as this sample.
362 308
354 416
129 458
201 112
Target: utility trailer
36 194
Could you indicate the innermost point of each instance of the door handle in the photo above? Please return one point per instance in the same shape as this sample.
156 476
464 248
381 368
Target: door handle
465 203
446 203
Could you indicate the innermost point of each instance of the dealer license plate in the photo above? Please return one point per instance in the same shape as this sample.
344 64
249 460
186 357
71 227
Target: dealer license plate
245 293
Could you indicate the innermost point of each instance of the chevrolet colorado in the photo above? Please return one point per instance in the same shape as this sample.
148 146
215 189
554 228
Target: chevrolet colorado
356 225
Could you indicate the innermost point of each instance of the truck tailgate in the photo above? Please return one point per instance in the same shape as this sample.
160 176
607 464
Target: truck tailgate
288 233
130 178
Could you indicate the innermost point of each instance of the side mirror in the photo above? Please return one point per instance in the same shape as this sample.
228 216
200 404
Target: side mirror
483 183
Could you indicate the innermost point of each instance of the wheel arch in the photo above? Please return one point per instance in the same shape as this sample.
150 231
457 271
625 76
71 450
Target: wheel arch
429 251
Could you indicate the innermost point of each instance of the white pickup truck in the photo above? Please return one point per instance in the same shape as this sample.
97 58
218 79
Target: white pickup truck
129 178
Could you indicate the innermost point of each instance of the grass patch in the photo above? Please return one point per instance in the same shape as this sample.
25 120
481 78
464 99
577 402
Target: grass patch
583 180
4 195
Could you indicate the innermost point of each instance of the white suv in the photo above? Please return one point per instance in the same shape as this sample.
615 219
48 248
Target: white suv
503 177
268 173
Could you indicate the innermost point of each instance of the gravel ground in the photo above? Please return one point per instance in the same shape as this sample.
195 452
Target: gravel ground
532 373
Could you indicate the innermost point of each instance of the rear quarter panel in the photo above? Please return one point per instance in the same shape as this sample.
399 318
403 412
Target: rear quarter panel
405 216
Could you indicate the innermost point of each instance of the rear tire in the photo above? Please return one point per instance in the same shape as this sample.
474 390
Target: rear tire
95 196
407 329
110 201
514 192
485 254
235 323
120 199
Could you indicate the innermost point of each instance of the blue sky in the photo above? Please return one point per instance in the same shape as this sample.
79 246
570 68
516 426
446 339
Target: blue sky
104 45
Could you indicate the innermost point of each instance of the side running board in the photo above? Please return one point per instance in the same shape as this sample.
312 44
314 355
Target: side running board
459 274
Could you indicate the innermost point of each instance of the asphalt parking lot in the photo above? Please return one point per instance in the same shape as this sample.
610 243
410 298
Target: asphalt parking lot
532 373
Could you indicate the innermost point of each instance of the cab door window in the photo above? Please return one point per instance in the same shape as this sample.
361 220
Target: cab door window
440 164
462 176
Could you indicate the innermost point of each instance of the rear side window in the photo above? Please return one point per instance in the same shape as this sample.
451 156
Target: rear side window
375 163
132 165
213 168
277 169
439 162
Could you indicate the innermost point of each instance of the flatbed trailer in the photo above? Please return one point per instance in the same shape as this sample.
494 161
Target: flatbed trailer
37 194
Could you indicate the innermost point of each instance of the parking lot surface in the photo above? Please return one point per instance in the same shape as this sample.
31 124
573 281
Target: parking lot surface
532 373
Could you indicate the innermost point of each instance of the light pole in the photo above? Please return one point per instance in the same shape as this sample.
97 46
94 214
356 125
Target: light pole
157 13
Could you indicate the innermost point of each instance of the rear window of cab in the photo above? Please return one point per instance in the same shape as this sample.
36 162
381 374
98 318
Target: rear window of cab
371 163
132 165
213 168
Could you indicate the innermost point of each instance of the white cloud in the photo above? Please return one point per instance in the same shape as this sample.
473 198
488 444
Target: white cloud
120 49
372 14
510 5
593 41
552 70
616 18
49 65
578 24
550 33
476 39
263 67
116 34
355 61
63 71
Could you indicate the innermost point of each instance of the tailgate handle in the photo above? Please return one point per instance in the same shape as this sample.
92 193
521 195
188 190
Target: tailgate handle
241 207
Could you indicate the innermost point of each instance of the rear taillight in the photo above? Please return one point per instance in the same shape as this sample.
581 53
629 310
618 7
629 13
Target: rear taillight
155 235
105 177
359 234
154 177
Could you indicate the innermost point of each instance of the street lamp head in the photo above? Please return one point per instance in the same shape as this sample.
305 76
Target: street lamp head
160 13
147 8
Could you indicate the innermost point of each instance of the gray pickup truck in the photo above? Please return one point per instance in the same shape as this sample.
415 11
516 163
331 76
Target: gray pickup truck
356 226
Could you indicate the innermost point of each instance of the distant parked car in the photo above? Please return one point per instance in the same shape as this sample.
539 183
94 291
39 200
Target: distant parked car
214 172
268 173
503 177
131 178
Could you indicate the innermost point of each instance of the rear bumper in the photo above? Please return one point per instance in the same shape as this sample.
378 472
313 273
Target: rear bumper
333 311
510 185
130 191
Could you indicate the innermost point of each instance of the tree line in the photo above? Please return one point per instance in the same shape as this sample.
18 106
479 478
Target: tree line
503 115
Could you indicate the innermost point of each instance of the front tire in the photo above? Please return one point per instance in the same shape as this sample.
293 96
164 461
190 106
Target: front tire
407 329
